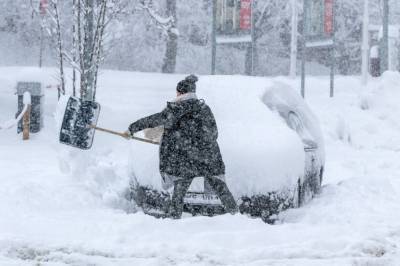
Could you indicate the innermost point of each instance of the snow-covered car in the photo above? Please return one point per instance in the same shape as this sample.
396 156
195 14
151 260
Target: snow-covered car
271 144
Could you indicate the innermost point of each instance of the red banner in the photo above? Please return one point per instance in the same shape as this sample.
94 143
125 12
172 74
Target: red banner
43 7
245 14
328 16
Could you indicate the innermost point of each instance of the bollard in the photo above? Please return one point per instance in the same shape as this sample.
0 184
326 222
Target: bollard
26 123
35 100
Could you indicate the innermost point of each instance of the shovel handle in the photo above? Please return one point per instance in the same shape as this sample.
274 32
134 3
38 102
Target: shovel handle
123 135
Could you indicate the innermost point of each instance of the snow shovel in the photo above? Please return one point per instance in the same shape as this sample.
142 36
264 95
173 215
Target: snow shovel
80 123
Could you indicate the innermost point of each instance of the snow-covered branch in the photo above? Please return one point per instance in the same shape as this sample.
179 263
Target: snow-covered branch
166 24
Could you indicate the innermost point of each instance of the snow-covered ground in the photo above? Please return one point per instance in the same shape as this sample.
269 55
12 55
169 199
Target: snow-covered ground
60 206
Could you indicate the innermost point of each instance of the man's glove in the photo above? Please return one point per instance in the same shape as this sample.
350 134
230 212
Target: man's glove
127 135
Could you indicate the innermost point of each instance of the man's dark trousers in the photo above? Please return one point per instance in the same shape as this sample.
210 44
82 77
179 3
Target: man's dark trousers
181 187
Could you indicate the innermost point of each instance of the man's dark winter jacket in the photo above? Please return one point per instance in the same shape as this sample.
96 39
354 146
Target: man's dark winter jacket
189 145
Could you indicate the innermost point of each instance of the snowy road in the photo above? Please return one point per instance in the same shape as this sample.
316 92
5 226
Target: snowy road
55 213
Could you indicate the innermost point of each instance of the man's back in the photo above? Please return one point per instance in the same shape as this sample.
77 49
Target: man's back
189 146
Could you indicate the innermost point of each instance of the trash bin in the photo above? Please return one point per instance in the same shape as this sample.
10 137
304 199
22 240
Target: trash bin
37 98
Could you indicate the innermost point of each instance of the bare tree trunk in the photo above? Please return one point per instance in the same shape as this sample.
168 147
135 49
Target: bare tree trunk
101 25
74 39
80 48
87 79
59 47
171 51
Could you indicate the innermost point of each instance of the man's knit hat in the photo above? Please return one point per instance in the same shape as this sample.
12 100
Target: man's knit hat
187 85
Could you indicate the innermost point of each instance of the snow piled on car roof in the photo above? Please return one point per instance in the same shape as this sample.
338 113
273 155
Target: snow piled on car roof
281 97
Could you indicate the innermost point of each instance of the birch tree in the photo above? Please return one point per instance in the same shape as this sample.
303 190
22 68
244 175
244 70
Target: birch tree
89 21
52 23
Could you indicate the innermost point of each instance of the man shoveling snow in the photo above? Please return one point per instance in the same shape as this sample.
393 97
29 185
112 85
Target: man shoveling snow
188 147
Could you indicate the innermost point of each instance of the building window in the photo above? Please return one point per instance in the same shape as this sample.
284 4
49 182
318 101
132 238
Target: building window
316 26
231 15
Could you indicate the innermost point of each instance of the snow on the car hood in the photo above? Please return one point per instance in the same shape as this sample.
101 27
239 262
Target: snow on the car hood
260 152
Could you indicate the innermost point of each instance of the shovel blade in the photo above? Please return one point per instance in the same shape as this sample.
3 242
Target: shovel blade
77 126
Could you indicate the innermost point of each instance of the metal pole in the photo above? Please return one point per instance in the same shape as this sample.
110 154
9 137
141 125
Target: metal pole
214 37
365 44
41 46
293 46
333 59
332 75
253 39
304 44
385 38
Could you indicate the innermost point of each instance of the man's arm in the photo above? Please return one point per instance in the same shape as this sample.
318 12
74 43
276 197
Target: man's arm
151 121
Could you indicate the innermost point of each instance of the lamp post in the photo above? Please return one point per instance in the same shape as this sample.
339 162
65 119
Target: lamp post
365 44
293 48
385 37
306 5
